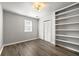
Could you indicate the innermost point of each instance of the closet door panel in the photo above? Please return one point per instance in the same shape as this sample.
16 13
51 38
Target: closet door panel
47 31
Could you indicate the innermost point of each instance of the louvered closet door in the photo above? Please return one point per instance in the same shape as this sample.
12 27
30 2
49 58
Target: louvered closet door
47 31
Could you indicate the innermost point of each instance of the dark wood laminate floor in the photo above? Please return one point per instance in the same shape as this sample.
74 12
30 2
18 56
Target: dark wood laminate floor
36 48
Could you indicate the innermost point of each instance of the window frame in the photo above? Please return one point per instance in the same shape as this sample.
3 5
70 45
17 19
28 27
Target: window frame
27 24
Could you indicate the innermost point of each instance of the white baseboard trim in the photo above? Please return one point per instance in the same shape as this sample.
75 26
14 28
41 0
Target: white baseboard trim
1 50
19 42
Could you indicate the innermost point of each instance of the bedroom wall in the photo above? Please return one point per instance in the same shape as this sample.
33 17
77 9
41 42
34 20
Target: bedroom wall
14 28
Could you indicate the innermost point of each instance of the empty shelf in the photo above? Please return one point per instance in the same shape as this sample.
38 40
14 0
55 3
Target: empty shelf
68 17
68 48
66 7
67 42
67 12
67 36
68 23
67 30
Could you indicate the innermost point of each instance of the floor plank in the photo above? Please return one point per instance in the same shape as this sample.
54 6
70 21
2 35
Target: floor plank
36 47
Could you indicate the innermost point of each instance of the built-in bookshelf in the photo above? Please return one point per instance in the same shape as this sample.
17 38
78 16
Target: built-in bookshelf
67 23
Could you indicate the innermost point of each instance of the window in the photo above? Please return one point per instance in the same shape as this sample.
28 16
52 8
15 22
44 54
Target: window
27 26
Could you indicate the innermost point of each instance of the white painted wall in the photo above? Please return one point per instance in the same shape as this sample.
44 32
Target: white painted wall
1 29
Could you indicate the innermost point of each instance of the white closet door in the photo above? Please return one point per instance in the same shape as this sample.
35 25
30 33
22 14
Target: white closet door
47 31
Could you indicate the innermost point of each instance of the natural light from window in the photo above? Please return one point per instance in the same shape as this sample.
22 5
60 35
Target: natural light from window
27 26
